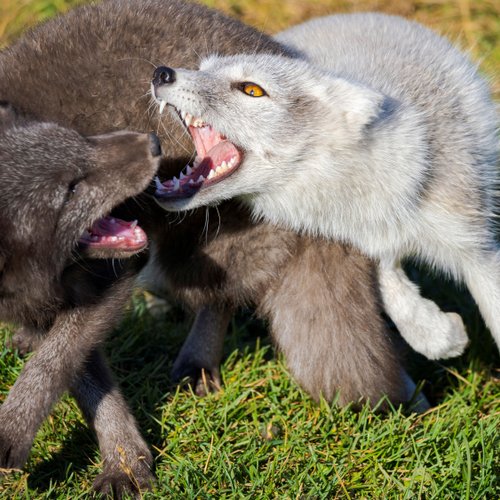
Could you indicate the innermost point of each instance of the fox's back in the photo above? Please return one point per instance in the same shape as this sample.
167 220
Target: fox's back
414 65
402 59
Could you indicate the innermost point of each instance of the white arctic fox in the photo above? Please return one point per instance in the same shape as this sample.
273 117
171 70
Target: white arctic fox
381 134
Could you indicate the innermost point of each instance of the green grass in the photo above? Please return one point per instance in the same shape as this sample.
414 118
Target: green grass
261 436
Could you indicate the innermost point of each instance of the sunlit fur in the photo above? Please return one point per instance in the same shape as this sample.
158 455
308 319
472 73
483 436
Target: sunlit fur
384 136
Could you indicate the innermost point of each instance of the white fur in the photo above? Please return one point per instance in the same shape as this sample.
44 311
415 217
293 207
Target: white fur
384 136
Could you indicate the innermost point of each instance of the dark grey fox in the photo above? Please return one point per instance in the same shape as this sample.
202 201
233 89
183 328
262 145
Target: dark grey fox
56 190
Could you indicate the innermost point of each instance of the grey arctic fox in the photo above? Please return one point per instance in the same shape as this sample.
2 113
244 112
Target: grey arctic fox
382 135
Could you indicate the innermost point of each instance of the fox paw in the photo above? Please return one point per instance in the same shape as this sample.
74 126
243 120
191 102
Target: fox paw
442 336
24 340
117 482
13 454
202 380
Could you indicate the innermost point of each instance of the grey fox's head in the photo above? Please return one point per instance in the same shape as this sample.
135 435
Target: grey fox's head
57 189
257 121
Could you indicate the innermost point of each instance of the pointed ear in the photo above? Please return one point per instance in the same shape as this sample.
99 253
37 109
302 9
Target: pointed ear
357 105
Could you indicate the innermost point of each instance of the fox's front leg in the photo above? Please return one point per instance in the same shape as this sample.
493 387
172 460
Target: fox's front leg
127 461
201 353
427 329
53 368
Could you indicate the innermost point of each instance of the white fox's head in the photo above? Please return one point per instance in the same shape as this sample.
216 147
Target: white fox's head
257 121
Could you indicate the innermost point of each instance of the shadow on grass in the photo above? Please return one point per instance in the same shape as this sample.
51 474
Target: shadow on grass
74 456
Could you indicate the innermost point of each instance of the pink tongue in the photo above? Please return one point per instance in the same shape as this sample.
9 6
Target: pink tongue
110 232
223 151
205 138
110 226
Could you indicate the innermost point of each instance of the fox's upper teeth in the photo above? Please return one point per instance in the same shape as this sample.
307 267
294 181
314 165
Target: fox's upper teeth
189 170
162 106
158 183
188 119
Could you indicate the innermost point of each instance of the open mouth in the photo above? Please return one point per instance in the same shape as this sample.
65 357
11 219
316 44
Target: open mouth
216 159
111 233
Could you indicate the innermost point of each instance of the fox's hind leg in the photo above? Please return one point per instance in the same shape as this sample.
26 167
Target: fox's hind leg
427 329
201 353
325 316
483 280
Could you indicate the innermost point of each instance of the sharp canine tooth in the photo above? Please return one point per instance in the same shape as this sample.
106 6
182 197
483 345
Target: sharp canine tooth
158 184
133 224
189 170
162 105
183 115
176 183
188 119
181 176
211 174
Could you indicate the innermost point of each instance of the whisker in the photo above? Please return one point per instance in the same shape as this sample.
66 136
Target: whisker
220 221
205 227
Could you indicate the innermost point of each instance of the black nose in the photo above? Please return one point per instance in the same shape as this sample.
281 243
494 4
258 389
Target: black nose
154 144
163 75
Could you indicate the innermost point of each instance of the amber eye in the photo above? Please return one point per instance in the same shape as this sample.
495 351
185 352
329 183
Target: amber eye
252 89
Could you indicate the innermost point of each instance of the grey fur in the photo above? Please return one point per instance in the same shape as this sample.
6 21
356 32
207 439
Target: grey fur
86 71
383 136
54 183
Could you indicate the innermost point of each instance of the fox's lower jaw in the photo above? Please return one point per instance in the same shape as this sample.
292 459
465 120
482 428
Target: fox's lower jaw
202 174
111 235
181 204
